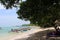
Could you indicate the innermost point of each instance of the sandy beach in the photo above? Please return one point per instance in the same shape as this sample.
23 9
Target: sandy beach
24 35
28 33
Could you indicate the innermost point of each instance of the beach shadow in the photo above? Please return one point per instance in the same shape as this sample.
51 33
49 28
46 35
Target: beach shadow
42 35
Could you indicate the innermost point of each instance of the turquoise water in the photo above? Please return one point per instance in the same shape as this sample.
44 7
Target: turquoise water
5 30
6 34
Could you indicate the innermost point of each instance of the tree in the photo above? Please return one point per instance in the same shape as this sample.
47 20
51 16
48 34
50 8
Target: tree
10 3
39 12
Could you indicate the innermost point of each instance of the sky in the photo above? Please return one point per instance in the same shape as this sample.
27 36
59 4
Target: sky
8 17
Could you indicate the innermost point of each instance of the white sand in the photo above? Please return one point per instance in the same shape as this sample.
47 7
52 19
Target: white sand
22 35
25 34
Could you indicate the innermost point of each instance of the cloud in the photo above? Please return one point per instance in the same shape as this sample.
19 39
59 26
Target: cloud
23 0
2 7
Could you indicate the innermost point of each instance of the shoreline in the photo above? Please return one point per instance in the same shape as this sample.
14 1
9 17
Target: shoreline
29 33
26 34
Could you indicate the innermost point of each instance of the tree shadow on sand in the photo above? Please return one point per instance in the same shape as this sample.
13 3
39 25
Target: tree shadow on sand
42 35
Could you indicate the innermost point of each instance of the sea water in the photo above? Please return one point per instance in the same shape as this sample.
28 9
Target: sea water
5 30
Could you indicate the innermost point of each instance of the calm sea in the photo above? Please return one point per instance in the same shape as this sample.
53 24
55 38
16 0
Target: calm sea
4 31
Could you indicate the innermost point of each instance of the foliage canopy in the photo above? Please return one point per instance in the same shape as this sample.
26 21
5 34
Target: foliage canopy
39 12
